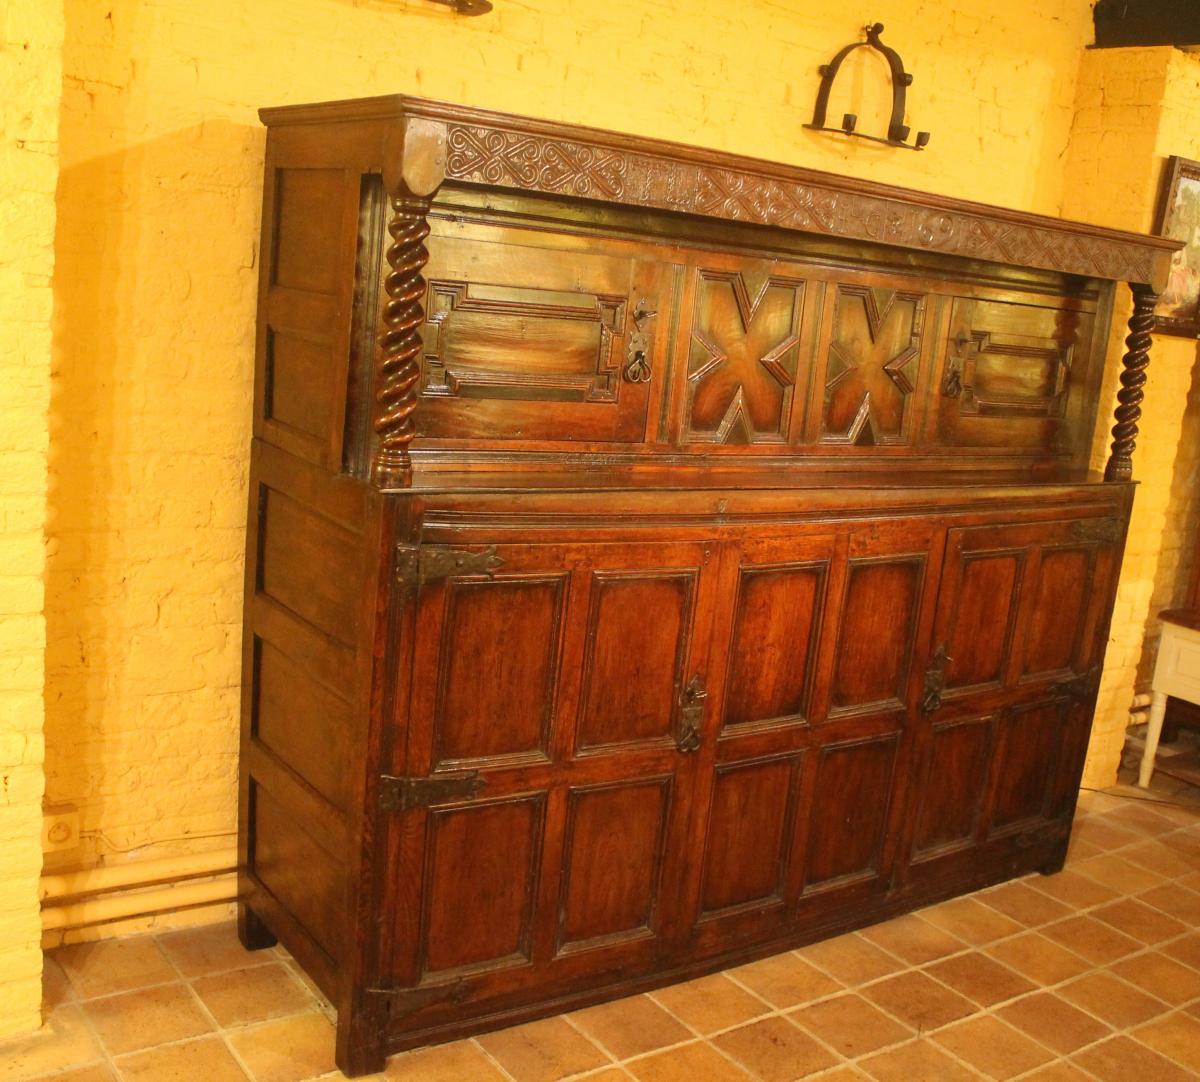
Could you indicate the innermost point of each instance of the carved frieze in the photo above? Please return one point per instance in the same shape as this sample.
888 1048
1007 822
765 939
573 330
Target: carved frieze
482 154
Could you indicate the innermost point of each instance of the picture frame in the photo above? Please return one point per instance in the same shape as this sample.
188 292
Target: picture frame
1178 216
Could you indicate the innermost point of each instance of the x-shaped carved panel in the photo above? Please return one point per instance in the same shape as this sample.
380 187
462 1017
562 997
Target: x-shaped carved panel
874 354
742 364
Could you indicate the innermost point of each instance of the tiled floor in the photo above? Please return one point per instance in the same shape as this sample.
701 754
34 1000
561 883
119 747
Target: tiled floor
1091 974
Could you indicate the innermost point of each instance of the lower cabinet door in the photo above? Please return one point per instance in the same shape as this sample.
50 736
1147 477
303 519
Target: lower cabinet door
552 724
815 666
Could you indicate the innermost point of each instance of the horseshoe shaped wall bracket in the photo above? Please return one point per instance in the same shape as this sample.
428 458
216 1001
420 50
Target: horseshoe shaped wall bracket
898 131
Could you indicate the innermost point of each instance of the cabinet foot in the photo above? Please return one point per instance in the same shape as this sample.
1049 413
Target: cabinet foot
255 935
1055 864
359 1050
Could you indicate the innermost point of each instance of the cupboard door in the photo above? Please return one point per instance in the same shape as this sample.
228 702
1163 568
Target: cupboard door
547 728
1021 620
525 342
815 656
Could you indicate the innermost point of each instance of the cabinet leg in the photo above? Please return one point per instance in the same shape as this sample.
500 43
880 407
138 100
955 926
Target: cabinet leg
1158 708
1056 863
255 935
360 1047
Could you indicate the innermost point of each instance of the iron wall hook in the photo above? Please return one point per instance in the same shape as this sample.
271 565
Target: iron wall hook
898 131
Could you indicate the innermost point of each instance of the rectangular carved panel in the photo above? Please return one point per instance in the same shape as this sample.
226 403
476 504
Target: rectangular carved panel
776 623
984 609
1061 595
850 811
742 356
481 858
308 228
299 384
1026 761
746 848
954 786
1007 372
875 639
499 658
638 633
612 861
872 367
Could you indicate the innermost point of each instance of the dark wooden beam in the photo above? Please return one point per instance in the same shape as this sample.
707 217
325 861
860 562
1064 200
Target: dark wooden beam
1121 23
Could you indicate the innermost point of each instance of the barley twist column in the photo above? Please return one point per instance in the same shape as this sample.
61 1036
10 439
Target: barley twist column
1133 379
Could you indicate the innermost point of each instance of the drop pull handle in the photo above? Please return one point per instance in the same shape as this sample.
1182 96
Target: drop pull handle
691 715
637 351
935 681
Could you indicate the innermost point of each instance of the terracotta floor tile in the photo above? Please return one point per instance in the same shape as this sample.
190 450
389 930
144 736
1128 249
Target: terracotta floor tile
919 1001
1176 1036
1073 889
114 965
1123 876
98 1072
992 1047
252 995
609 1074
1142 820
1124 1060
1139 921
64 1041
846 1073
1053 1021
1035 957
1097 831
914 939
1117 1003
1176 901
1187 950
192 1061
1025 905
1058 1072
630 1027
851 959
971 921
543 1051
850 1025
1089 938
917 1061
785 980
980 978
461 1061
775 1050
688 1063
1160 976
132 1021
1092 802
209 949
710 1003
1158 858
56 987
291 1049
1079 849
1184 842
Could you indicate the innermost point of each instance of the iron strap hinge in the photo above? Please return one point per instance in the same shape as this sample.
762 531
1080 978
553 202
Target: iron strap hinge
1083 687
419 564
400 794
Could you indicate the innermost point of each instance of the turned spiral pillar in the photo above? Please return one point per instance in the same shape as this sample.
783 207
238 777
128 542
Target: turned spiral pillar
1133 379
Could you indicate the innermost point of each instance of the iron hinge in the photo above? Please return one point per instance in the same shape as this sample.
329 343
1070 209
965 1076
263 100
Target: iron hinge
400 794
1102 530
1083 687
400 1002
419 564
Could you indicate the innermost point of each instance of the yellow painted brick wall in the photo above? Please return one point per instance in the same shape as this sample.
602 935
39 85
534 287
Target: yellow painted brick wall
158 223
1135 107
30 84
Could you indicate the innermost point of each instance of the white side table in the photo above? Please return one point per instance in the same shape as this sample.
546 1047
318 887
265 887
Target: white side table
1177 672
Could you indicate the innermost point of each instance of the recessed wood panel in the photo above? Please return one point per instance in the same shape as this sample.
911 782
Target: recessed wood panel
498 664
878 623
639 626
303 723
1029 740
955 783
298 871
308 228
849 811
309 565
1061 596
777 616
299 385
984 610
746 846
742 358
482 859
613 859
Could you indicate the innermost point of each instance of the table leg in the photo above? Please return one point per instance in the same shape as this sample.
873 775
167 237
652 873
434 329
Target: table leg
1158 707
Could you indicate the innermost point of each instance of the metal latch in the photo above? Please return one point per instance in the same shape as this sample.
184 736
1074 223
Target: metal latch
400 794
419 564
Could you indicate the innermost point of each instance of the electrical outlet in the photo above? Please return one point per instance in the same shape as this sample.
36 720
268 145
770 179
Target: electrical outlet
60 828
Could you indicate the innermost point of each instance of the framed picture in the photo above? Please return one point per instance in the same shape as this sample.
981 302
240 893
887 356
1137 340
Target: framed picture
1178 216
